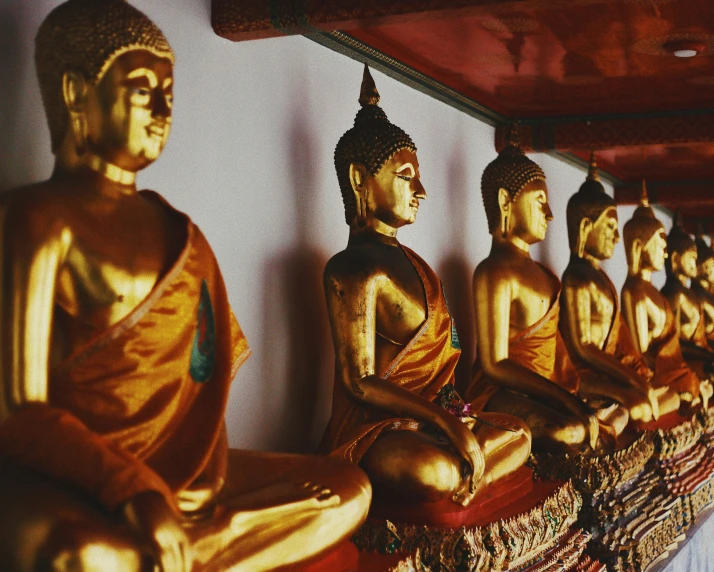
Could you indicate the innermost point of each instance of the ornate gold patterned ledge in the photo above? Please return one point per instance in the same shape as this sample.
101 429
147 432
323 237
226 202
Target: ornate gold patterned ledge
593 473
506 544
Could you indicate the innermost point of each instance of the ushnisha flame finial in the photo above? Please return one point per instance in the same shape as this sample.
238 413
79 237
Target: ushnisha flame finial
644 199
677 219
514 135
368 94
593 173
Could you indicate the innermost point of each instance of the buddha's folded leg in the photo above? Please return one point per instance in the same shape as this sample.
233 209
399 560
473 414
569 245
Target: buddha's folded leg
412 465
46 525
505 442
550 430
277 509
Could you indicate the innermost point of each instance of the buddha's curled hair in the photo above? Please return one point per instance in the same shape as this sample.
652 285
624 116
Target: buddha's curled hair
371 142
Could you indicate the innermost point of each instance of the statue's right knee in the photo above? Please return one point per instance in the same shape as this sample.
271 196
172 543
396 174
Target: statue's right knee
83 547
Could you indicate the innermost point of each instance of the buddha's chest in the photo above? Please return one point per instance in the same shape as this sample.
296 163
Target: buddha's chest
689 313
534 291
112 265
401 300
656 308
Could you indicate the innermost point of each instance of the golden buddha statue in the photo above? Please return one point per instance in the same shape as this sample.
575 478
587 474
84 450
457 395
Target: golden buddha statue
703 284
119 346
595 334
647 313
681 268
394 411
523 367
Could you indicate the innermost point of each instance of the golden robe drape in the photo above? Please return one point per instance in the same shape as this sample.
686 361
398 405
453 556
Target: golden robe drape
140 406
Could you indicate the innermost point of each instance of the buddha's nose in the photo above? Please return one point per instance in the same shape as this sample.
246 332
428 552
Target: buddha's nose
420 191
547 211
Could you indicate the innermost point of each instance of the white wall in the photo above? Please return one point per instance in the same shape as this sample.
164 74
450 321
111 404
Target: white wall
250 159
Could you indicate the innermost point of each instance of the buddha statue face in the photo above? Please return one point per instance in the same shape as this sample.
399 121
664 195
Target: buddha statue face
128 113
105 73
515 195
391 196
685 262
376 166
592 218
706 270
604 235
654 252
526 216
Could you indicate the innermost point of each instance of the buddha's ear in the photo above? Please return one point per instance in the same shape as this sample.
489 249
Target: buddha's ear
636 252
74 91
675 258
504 199
586 227
358 182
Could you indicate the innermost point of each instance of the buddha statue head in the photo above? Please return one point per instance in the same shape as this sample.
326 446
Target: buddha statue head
105 73
592 218
645 239
377 167
682 250
515 195
705 258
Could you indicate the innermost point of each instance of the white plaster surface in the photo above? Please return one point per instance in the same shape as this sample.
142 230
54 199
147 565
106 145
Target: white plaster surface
250 159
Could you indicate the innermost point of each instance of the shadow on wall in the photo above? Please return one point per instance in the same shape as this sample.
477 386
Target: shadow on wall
10 96
297 308
455 271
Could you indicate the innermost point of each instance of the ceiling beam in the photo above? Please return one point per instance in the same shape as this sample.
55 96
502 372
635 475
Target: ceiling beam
593 133
239 20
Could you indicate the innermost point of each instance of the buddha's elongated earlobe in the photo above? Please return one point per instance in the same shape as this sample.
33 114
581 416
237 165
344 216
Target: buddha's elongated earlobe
74 90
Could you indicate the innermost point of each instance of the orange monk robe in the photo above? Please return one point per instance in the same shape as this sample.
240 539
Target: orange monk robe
539 348
140 406
424 366
619 344
670 367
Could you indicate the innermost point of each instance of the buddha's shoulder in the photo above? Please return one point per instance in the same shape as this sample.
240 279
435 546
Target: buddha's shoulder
38 203
507 264
36 197
359 262
583 274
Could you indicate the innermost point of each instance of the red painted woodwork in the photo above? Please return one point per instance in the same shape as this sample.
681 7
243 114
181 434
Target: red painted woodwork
579 74
589 58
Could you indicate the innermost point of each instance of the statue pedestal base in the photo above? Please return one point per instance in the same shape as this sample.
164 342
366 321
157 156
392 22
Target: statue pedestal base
512 526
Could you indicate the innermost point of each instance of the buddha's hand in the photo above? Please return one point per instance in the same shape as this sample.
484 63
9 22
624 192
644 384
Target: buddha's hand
151 515
470 452
643 407
586 416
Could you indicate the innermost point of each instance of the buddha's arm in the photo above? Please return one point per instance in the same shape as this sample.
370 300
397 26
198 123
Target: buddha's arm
578 323
634 310
352 307
492 301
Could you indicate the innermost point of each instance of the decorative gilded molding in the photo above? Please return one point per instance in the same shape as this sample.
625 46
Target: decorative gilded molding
506 544
596 472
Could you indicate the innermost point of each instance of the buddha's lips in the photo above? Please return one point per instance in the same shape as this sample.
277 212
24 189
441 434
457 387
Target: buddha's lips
156 130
